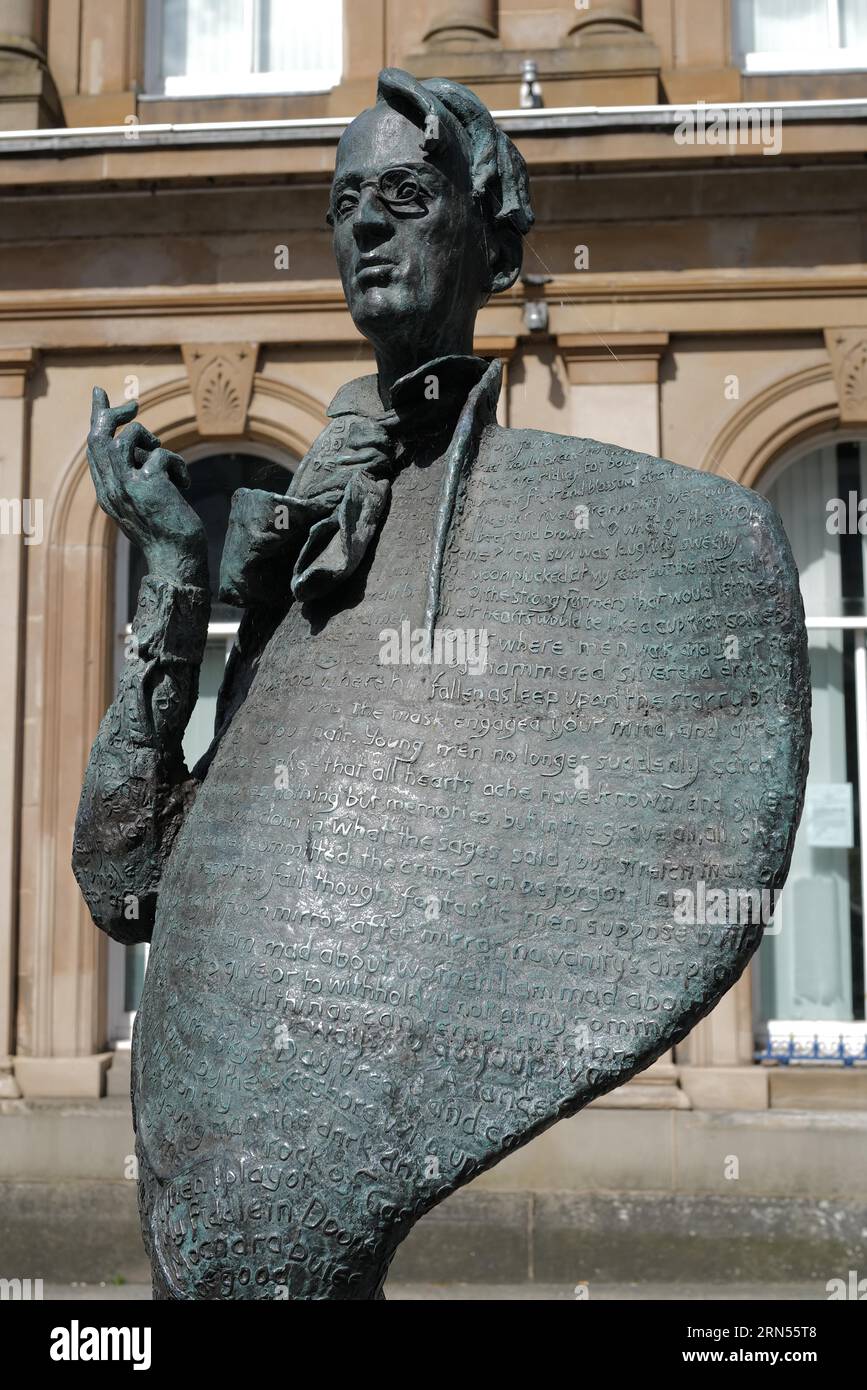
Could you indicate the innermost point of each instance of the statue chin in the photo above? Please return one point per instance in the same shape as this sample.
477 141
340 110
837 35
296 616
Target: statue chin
382 312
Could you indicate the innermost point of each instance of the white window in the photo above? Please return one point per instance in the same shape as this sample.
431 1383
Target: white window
811 993
226 47
214 477
801 35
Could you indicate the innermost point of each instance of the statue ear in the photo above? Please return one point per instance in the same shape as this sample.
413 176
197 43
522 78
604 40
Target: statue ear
505 257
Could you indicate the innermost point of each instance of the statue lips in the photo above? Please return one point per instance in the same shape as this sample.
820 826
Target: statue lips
374 271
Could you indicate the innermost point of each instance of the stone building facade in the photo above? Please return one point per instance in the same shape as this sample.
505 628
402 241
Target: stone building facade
694 286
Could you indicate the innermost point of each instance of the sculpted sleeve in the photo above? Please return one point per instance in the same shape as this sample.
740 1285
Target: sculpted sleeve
137 788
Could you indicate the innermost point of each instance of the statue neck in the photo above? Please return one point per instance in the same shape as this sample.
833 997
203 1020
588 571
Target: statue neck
395 361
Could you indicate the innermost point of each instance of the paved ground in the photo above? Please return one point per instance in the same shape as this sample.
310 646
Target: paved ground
435 1293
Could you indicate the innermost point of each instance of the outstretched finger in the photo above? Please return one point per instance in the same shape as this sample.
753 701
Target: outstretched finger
97 461
104 418
120 415
98 404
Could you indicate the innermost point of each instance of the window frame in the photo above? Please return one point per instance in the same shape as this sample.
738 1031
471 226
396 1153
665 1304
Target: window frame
832 58
291 82
828 1042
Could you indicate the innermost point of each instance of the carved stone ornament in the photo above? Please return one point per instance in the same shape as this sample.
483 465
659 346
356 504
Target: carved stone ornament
221 380
847 348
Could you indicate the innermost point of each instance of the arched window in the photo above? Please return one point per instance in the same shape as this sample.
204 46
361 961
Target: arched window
214 477
812 968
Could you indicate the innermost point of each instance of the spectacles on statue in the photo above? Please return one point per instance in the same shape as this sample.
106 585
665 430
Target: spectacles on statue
399 190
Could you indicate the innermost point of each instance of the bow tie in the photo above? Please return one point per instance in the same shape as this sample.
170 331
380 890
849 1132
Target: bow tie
313 537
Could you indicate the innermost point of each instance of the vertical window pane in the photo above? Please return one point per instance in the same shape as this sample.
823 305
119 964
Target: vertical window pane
818 498
221 46
135 963
807 970
853 23
174 38
200 730
784 26
813 970
213 36
791 24
297 36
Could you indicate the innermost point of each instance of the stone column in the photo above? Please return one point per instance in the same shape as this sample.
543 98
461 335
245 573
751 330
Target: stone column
28 96
612 49
23 25
717 1070
15 367
615 386
460 23
607 16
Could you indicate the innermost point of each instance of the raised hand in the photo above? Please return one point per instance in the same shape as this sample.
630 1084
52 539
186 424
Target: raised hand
137 484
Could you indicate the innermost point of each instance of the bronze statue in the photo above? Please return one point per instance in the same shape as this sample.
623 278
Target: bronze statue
507 766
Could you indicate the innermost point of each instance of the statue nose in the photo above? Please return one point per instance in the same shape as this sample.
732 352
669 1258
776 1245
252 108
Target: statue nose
370 225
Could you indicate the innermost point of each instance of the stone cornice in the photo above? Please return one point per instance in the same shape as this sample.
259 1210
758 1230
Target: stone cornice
742 301
16 364
247 151
328 129
591 359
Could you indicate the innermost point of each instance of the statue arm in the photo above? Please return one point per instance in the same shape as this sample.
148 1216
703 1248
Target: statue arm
137 789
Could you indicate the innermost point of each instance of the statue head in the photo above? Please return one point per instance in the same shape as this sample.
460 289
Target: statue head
430 203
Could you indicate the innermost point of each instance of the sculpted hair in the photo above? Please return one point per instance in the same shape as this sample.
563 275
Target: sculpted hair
498 174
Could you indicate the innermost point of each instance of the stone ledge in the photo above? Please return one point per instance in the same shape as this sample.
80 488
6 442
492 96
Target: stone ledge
505 1293
725 1088
806 1154
57 1141
63 1077
88 1231
819 1089
689 1239
71 1231
800 1154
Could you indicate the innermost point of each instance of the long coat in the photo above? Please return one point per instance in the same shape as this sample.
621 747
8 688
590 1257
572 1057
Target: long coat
487 829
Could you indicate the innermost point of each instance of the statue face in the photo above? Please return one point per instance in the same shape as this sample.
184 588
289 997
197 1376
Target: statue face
407 237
